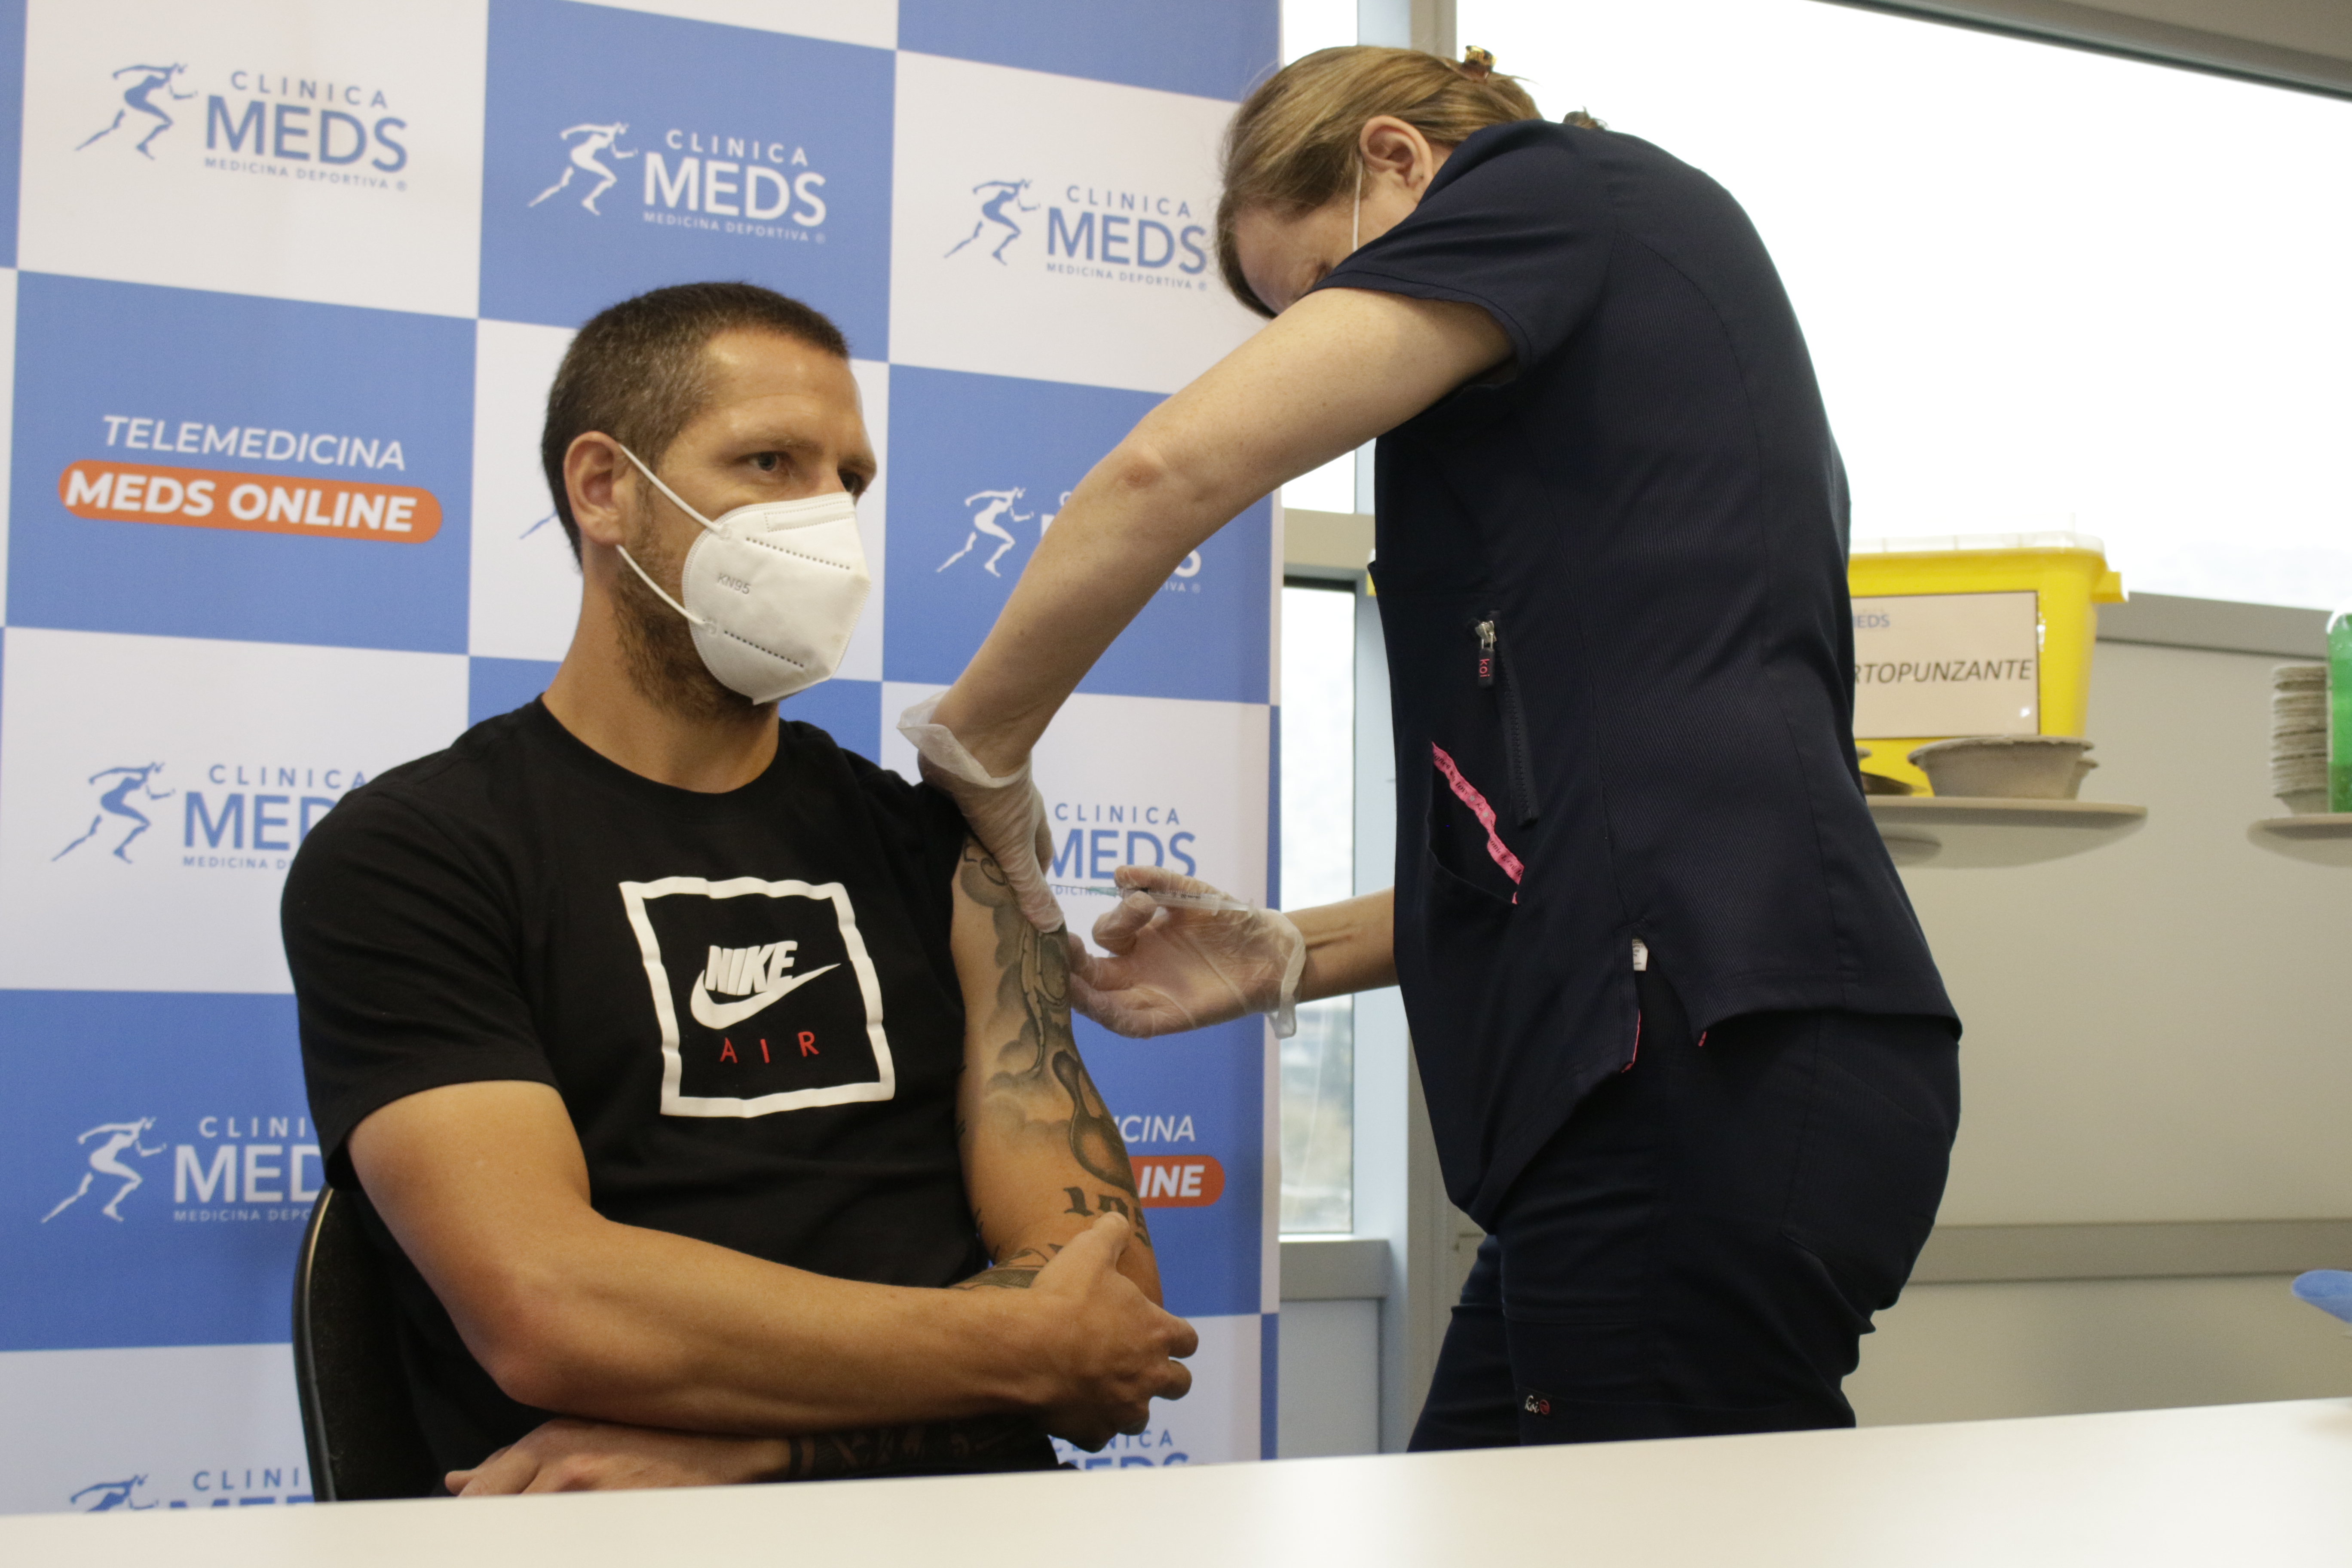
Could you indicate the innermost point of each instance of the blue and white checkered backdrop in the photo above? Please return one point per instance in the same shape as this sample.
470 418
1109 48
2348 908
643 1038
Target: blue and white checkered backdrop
286 283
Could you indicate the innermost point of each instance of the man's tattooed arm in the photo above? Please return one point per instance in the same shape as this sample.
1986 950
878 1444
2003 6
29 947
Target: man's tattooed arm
920 1448
1042 1151
998 1280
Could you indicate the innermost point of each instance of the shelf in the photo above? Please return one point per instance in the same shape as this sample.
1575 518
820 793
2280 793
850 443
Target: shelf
1968 831
2323 838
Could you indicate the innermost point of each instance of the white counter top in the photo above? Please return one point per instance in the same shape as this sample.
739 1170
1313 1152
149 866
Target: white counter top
2253 1484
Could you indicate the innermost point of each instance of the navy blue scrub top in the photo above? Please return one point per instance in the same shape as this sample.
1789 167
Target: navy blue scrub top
1620 656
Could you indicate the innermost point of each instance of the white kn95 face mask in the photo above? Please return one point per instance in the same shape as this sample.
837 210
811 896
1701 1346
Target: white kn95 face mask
772 589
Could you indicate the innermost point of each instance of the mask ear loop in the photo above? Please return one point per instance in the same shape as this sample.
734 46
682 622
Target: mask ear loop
666 491
656 587
1355 224
691 617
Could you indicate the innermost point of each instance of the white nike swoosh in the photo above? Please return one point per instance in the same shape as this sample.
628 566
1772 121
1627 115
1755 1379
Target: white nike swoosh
726 1015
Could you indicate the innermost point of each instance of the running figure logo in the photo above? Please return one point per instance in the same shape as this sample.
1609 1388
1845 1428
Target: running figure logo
999 504
116 802
1006 194
594 142
104 1162
141 96
111 1495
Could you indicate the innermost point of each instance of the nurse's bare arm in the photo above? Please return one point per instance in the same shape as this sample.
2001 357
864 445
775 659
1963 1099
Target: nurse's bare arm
1351 945
1330 373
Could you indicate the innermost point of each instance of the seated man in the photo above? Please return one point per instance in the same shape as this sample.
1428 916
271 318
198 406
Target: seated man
689 1070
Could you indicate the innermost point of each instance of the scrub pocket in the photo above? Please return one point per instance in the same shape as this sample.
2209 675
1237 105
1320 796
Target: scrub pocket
1467 846
1466 913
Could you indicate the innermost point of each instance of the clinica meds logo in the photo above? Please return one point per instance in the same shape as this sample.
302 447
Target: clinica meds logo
113 1141
759 187
1154 1446
234 1486
994 514
1002 203
270 124
229 816
148 119
991 511
106 1497
121 792
1092 839
591 144
234 1169
1139 237
624 149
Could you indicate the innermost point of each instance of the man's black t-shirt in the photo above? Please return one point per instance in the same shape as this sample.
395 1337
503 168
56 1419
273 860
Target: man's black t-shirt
746 1001
1621 655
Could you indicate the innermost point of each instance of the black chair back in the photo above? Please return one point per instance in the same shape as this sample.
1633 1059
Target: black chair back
357 1421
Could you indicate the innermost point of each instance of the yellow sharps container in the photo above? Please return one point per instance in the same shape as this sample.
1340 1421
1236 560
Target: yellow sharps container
1972 634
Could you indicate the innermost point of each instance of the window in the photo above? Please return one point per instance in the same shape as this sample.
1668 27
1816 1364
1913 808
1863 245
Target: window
2044 289
1311 25
1331 487
1318 866
1308 25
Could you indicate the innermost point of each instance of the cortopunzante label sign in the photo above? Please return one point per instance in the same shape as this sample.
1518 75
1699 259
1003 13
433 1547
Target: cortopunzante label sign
1948 664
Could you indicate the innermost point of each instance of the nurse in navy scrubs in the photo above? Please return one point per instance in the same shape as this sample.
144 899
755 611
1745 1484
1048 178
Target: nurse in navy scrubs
1686 1053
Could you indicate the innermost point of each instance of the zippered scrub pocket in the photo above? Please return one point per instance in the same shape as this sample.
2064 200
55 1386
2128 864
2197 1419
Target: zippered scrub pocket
1495 676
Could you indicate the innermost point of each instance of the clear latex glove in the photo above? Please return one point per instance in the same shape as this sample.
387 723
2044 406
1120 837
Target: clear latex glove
1185 955
1006 814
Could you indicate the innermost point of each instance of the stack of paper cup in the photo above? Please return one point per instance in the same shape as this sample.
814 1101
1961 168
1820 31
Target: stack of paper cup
2299 736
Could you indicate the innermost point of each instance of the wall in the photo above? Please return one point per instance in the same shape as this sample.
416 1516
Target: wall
1974 1353
2155 1030
2155 1035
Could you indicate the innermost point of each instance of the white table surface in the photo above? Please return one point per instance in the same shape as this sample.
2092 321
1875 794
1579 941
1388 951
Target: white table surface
2253 1484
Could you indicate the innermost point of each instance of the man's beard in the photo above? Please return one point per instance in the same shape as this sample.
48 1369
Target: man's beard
657 643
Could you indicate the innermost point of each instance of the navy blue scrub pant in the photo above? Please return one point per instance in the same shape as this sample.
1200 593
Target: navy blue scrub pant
1700 1247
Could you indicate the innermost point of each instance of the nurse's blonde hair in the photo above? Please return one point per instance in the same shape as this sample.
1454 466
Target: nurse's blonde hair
1292 146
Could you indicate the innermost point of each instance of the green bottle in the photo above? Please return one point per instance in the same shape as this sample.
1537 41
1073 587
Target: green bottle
2339 709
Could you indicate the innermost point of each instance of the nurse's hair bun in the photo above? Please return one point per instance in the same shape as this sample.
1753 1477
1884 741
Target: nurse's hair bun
1478 65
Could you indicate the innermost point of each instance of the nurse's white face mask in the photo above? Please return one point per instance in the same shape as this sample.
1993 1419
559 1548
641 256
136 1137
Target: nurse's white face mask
772 589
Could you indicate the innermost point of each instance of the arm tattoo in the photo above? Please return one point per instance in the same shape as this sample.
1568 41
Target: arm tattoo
1029 1256
998 1280
921 1449
1039 1078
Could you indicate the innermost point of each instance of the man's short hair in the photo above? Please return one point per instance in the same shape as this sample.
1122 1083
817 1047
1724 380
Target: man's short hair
637 373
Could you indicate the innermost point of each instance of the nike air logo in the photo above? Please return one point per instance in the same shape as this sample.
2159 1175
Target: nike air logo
713 1014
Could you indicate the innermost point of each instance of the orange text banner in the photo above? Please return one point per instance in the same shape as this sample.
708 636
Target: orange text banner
1178 1181
250 503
